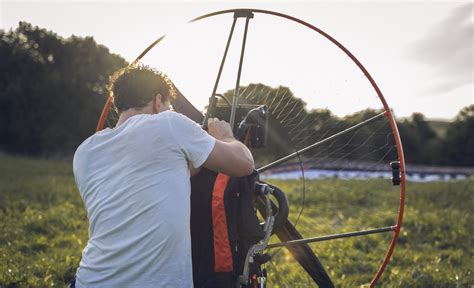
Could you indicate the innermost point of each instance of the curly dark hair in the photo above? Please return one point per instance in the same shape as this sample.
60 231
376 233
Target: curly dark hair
136 86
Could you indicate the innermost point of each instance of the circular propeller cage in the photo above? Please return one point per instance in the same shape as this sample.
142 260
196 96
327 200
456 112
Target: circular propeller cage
314 147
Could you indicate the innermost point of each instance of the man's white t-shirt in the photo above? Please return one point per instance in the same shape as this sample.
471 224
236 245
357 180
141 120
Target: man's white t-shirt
134 181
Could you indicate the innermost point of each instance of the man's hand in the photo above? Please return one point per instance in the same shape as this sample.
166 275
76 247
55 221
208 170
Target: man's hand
229 155
220 129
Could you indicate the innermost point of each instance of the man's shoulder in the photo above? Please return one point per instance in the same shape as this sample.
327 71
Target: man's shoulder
85 143
177 115
172 117
164 116
179 119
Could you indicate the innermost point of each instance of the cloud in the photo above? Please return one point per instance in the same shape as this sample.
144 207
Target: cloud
449 50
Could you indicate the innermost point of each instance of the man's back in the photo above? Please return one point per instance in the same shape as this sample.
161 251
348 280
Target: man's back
134 181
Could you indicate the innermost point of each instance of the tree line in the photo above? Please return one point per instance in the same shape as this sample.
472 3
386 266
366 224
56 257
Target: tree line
424 142
52 90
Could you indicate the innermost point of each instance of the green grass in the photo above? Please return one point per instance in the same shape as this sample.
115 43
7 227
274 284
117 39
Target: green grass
43 223
44 228
434 249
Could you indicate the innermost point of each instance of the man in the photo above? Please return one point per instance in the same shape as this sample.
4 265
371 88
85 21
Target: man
134 181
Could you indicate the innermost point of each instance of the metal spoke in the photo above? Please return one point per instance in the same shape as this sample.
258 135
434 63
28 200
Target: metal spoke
310 147
331 237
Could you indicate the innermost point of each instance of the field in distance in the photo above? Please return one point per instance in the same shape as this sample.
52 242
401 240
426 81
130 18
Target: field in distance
44 229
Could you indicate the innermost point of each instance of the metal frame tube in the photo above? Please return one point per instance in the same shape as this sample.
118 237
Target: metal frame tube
235 100
331 237
221 68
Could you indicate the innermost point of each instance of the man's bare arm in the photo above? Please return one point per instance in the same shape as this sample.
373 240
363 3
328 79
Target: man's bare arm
229 156
193 171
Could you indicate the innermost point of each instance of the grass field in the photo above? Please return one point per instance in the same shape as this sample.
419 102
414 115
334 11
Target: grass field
44 228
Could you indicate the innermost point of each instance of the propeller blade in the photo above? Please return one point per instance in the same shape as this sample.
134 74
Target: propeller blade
182 105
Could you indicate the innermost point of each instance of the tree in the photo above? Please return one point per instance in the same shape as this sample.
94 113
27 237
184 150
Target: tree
293 127
51 89
419 140
458 147
287 112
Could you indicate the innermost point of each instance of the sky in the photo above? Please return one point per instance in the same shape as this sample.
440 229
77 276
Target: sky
419 53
